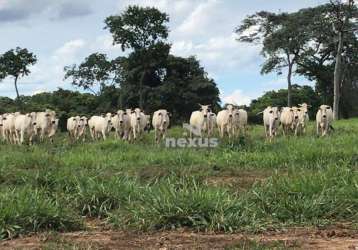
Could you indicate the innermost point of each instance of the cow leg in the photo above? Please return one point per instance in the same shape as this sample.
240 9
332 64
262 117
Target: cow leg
104 135
21 137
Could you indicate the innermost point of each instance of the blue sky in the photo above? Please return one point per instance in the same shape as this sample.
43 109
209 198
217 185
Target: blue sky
64 32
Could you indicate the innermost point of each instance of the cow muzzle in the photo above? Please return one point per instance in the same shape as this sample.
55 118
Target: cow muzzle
138 119
324 116
296 117
205 116
120 122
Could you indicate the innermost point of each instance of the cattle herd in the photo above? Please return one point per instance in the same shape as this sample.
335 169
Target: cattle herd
129 125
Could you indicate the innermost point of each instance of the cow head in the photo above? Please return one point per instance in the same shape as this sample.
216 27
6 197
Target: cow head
33 117
121 116
137 113
274 113
324 109
205 110
296 113
2 118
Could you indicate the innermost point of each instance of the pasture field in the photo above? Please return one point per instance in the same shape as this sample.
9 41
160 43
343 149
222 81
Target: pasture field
244 186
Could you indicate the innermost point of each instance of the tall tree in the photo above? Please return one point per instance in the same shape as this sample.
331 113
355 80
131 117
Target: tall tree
341 14
283 37
95 71
141 30
15 63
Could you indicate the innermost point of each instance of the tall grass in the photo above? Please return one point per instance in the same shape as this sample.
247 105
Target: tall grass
311 181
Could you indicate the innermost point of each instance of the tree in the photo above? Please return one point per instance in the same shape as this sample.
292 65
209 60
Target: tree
15 63
95 70
185 85
318 63
141 30
341 14
277 98
283 37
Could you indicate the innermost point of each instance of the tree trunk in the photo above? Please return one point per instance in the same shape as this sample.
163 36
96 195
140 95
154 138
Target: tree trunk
17 91
289 87
141 90
337 77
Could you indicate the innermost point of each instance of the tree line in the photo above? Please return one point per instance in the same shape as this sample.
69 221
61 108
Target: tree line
308 42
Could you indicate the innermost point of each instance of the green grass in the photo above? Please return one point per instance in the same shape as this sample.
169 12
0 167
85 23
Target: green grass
243 184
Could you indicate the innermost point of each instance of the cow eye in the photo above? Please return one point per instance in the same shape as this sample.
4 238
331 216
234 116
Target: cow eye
291 110
299 109
47 115
160 114
124 113
328 108
271 111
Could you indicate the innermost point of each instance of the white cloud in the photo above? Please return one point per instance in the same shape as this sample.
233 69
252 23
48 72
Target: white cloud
237 98
69 50
220 54
200 19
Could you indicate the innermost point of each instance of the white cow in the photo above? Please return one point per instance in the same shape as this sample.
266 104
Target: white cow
212 123
225 121
199 120
304 117
53 129
138 123
45 122
271 119
298 120
24 125
160 124
324 118
240 121
99 126
73 124
121 124
76 127
147 123
82 127
287 119
2 119
9 128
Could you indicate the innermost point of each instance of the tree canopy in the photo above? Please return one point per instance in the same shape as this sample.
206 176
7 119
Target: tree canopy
15 63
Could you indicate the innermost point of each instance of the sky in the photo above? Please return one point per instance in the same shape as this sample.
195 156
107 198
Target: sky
64 32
